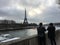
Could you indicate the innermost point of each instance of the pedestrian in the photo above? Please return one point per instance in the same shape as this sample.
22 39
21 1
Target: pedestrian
41 34
51 33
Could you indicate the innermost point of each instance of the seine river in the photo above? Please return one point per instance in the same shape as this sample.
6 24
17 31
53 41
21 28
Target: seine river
21 33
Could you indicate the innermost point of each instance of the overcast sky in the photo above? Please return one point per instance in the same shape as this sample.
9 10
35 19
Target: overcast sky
37 10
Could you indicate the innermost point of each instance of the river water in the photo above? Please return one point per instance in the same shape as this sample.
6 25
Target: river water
21 33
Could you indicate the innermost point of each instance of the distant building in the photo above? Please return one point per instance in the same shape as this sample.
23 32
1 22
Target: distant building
7 22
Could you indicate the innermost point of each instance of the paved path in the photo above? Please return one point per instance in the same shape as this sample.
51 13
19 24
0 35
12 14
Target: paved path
57 38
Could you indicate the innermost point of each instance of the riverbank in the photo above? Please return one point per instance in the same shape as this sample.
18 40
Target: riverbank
20 28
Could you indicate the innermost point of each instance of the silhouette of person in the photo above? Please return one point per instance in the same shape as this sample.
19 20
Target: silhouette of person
51 33
41 34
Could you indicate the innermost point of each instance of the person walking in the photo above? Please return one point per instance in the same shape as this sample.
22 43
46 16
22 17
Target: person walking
51 33
41 35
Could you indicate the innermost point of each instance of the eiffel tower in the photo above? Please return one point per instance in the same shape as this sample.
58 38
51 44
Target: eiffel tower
25 19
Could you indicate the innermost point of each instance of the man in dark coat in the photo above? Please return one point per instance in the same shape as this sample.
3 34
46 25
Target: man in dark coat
51 33
41 34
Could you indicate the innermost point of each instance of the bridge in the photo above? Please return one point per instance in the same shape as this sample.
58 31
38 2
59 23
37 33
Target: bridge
30 40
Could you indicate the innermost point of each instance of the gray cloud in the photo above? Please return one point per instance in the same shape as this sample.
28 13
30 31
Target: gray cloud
50 14
32 3
26 3
4 3
13 14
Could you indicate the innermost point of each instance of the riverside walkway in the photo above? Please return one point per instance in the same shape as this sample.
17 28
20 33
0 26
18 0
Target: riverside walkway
29 39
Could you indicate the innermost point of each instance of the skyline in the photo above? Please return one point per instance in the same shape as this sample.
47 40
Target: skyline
37 10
